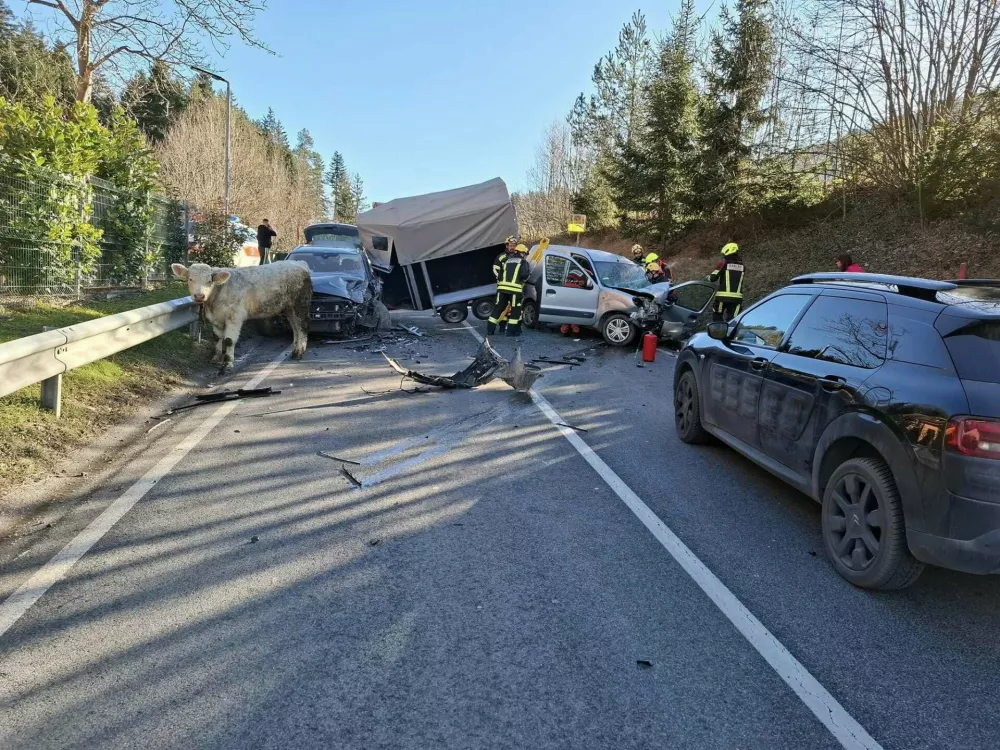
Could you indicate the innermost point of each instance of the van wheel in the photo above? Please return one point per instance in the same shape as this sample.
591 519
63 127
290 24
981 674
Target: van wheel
482 308
529 314
618 330
454 313
863 529
687 410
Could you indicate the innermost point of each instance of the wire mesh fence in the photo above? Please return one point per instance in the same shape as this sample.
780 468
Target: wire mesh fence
63 237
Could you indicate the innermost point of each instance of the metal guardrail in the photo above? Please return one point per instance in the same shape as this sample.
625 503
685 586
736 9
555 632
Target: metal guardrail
44 357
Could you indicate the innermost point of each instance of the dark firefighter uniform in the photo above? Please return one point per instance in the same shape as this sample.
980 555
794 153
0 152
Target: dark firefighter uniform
728 274
511 271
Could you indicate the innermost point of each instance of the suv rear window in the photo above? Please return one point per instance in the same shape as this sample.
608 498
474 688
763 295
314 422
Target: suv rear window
975 349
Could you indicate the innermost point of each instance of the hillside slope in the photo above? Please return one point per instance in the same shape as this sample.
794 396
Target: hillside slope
879 238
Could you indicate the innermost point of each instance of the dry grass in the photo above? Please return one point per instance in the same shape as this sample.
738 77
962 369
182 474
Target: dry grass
96 396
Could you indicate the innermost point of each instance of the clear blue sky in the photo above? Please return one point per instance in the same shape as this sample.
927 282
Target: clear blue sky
424 96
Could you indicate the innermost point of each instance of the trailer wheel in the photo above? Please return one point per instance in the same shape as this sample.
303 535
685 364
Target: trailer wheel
454 313
482 308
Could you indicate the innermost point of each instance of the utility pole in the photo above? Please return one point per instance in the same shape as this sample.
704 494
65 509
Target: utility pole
229 115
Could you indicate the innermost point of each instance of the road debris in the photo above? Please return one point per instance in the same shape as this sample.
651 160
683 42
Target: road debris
487 365
548 361
374 542
409 329
643 664
353 479
338 458
215 398
158 425
572 427
254 539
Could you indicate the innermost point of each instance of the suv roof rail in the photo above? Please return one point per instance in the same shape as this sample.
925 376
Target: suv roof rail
909 286
976 282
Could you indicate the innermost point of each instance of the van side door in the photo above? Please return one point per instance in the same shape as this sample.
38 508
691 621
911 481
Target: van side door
568 294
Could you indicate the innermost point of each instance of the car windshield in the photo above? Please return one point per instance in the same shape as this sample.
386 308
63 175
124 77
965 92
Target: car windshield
621 274
330 262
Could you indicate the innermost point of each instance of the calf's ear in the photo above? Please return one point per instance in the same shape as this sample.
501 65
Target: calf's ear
220 277
179 271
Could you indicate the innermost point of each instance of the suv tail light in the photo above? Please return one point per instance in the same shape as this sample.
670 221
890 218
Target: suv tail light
973 437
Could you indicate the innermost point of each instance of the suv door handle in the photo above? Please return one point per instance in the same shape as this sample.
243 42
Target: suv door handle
759 363
832 383
550 291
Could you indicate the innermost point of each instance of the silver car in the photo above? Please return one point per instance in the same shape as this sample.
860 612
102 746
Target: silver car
606 292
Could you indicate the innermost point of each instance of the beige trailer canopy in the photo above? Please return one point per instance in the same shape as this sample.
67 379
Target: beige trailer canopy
436 225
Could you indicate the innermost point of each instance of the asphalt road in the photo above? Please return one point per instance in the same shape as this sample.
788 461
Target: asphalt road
483 587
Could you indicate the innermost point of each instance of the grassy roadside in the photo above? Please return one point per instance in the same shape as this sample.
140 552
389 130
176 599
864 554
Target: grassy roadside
96 396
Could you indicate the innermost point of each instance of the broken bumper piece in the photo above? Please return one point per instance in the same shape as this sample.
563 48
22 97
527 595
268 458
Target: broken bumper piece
487 365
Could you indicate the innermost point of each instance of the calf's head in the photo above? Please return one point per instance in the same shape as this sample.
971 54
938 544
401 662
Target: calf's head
201 279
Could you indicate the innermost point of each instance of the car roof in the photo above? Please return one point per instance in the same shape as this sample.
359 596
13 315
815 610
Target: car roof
594 255
331 225
344 249
963 297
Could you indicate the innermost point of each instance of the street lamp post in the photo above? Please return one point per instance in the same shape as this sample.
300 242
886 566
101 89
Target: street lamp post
229 111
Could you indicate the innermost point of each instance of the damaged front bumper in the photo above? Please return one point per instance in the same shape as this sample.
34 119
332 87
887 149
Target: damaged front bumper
333 315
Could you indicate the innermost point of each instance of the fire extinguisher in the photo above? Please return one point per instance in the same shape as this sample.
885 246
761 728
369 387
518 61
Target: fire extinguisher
649 342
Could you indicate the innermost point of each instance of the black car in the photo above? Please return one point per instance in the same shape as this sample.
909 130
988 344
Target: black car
878 396
346 292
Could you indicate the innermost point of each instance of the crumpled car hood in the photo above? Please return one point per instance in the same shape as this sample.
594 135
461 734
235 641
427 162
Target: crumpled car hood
349 287
656 292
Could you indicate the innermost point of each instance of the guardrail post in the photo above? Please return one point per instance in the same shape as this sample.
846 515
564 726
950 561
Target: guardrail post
52 394
195 330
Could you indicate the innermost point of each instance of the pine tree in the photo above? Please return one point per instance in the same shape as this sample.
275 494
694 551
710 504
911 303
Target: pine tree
29 69
310 169
358 199
654 177
737 82
273 130
155 100
337 180
608 121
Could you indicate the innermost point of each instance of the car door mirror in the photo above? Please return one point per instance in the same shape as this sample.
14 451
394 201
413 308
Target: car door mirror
718 330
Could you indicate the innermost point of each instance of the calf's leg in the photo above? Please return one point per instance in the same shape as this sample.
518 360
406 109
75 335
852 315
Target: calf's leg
219 348
298 318
233 327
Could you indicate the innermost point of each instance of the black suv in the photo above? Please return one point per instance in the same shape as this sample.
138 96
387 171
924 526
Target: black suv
878 396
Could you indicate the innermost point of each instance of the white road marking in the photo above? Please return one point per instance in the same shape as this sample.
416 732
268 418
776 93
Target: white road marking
14 607
848 732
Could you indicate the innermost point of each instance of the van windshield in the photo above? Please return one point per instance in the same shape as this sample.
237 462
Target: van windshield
975 350
622 274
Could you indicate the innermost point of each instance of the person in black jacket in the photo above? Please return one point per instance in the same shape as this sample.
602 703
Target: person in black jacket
264 236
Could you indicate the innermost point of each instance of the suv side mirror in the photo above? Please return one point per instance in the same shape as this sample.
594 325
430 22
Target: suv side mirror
718 330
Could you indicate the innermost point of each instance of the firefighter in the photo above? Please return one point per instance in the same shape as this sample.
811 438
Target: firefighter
637 255
656 269
511 271
728 274
509 244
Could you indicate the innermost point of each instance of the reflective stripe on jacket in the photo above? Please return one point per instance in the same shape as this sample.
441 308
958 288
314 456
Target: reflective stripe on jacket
729 276
513 273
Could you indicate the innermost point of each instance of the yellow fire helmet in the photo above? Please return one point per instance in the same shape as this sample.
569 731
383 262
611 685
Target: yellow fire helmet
651 258
730 249
512 240
636 251
521 249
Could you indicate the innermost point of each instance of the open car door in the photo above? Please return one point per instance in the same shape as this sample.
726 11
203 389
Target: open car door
690 301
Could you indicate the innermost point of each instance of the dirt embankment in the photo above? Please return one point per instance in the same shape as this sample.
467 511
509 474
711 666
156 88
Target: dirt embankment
880 238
